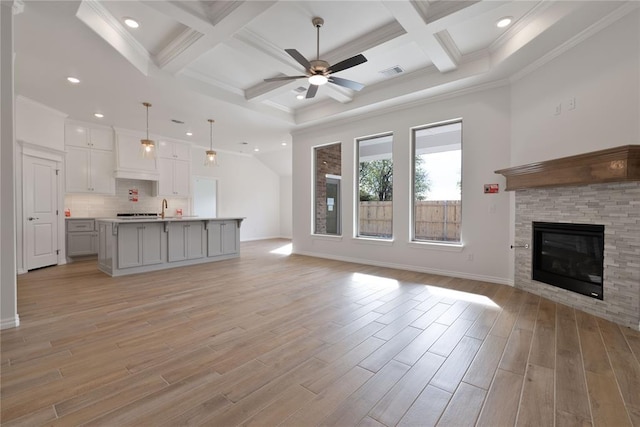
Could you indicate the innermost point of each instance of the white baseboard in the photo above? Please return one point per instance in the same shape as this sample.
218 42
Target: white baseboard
10 323
458 274
21 271
253 239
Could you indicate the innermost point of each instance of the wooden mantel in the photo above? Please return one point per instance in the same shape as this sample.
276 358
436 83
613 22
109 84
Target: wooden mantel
611 165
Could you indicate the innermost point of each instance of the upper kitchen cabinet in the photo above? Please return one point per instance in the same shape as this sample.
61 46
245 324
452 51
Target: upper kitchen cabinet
174 166
174 150
89 161
174 177
81 135
129 161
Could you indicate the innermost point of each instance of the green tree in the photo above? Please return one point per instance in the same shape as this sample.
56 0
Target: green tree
376 180
422 183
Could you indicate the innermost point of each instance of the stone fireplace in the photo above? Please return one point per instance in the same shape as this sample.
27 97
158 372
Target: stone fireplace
614 205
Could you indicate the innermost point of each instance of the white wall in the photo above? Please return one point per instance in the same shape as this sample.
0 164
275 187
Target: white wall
8 290
246 188
485 218
286 206
38 124
603 75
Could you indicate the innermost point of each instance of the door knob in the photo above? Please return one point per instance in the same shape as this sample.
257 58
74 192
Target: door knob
32 218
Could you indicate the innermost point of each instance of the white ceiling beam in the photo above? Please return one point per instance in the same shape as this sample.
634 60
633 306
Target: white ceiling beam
103 23
411 18
275 56
189 46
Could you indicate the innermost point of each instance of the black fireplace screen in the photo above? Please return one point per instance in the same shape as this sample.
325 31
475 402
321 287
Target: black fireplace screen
569 256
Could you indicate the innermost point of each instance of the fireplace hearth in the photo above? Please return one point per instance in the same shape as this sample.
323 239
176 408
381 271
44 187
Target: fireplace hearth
569 256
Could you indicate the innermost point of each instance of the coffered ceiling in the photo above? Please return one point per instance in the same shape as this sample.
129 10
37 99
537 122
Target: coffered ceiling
195 60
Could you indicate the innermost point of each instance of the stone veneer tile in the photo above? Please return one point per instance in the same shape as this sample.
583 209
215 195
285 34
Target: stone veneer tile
617 207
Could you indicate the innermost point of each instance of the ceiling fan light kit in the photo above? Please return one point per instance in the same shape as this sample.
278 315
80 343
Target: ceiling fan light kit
320 72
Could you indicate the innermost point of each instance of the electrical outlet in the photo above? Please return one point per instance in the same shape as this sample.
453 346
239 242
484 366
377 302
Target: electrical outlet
571 104
470 257
558 110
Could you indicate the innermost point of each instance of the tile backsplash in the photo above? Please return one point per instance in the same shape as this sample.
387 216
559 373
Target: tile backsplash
105 206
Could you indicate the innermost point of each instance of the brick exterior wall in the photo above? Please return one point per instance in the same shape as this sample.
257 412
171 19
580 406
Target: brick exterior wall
617 207
328 161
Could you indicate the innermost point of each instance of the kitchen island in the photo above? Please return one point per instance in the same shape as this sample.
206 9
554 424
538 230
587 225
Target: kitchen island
130 246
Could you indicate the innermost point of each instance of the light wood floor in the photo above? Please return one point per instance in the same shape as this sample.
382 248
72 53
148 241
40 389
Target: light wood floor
271 339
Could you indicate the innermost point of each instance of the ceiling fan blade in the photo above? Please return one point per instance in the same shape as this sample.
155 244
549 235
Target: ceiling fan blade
277 79
311 92
347 63
346 83
299 58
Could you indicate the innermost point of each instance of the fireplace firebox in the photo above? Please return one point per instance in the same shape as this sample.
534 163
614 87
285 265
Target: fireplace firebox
569 256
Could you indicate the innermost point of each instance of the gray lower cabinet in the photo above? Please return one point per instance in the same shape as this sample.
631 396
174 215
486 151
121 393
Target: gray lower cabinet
82 238
139 244
131 247
223 238
186 240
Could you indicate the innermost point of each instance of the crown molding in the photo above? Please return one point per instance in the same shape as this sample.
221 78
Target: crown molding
100 20
593 29
519 25
177 46
218 10
205 78
309 128
51 110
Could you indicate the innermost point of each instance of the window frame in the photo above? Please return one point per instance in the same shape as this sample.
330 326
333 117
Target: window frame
314 194
356 217
458 245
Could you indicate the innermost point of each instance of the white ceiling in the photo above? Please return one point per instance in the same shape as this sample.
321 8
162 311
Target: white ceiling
195 60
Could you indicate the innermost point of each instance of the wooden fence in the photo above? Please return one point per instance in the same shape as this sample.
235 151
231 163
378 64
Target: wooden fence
434 220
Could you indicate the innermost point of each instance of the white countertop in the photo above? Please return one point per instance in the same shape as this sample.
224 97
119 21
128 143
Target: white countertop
125 220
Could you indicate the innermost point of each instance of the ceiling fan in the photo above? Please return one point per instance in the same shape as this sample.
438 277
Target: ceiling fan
320 72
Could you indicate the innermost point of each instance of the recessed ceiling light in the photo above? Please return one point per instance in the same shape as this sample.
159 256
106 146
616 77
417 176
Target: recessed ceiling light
130 22
284 144
98 115
504 22
73 80
301 96
256 149
189 133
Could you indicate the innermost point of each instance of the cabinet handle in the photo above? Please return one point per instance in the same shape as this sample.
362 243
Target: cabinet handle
31 218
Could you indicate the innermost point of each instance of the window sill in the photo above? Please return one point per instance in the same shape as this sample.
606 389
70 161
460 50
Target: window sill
330 237
370 241
446 247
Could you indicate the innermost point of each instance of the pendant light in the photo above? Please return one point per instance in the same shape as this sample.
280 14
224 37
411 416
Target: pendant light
147 146
212 156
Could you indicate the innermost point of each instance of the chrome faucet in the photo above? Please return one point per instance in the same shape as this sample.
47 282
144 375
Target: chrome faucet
164 205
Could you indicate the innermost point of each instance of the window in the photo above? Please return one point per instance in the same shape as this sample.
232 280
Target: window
375 187
328 174
437 182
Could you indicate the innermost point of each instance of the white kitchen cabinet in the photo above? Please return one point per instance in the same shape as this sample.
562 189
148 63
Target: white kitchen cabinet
89 171
174 150
82 239
81 135
223 238
174 177
139 244
186 240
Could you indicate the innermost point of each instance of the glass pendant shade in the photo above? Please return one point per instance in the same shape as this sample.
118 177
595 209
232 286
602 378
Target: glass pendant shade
147 146
211 157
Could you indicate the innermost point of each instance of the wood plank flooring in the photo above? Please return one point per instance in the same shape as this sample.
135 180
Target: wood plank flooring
273 339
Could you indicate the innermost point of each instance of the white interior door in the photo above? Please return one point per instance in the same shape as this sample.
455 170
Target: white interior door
41 221
205 197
